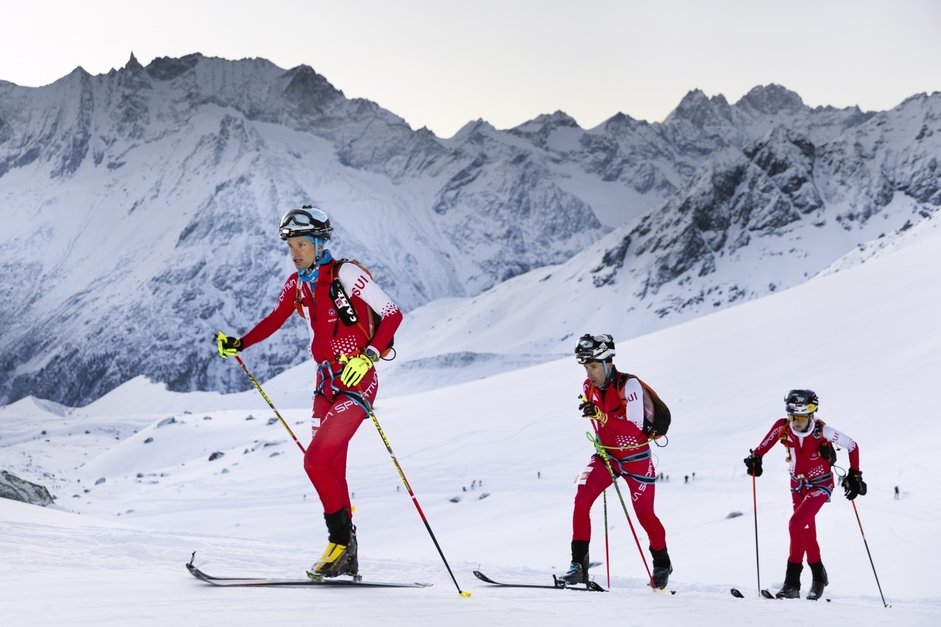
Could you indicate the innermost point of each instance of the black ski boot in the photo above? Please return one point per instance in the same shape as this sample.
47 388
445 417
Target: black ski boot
820 581
578 569
662 568
792 582
341 555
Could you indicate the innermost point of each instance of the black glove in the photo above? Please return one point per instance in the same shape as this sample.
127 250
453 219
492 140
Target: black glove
753 465
853 484
588 409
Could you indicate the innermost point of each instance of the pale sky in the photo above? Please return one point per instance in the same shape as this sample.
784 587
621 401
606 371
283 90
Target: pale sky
441 64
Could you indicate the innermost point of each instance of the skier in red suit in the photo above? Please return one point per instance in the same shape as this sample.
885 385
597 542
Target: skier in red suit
621 413
810 456
335 302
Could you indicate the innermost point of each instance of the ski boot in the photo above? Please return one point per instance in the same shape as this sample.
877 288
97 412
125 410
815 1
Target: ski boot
819 582
662 568
577 573
341 557
337 559
792 582
578 569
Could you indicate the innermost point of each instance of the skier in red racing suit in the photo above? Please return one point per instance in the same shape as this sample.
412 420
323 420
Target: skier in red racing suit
619 409
345 349
810 456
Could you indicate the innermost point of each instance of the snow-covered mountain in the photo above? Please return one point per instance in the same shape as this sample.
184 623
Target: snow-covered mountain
140 207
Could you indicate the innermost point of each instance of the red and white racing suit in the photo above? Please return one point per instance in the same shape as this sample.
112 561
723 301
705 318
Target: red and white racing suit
811 478
338 414
620 431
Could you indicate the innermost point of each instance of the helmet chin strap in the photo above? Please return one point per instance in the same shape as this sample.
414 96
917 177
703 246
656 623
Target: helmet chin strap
607 374
323 256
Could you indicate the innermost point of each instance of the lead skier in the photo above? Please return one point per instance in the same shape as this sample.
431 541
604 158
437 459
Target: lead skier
335 303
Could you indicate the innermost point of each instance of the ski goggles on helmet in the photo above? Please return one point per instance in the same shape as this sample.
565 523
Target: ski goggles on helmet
800 402
594 348
307 220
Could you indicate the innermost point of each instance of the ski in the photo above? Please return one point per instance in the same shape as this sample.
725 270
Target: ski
767 593
259 582
557 584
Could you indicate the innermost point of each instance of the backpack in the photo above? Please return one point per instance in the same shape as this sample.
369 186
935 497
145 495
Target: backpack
659 423
347 313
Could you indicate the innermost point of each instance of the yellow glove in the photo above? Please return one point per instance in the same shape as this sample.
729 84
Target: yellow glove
354 370
228 346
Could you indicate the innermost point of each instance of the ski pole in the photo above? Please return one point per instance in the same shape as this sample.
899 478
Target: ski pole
268 400
754 498
366 405
869 554
607 549
603 454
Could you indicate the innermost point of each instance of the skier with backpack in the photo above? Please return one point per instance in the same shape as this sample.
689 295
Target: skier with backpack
351 322
625 414
810 456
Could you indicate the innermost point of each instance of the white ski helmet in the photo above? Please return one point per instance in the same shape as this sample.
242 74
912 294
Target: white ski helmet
308 220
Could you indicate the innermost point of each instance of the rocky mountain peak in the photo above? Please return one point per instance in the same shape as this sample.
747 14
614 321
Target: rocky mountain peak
770 99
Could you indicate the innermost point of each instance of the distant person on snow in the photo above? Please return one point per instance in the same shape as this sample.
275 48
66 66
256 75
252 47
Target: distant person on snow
810 456
620 411
335 300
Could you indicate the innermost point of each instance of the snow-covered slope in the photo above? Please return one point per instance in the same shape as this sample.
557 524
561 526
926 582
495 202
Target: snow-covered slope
492 462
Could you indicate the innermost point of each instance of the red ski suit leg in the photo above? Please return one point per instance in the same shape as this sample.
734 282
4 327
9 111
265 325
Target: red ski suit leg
803 526
325 459
595 478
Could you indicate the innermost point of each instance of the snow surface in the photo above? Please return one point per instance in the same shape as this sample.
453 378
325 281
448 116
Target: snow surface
492 461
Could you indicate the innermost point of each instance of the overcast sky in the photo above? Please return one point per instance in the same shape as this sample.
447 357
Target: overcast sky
441 64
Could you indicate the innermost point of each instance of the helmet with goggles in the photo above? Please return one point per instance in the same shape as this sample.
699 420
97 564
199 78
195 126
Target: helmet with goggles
594 348
308 220
801 402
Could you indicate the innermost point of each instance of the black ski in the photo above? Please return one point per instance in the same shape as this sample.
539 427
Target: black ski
258 582
557 584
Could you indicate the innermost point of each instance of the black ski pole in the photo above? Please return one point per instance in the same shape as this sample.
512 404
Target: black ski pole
859 522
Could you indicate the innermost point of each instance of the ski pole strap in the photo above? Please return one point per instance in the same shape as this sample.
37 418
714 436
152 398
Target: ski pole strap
824 483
